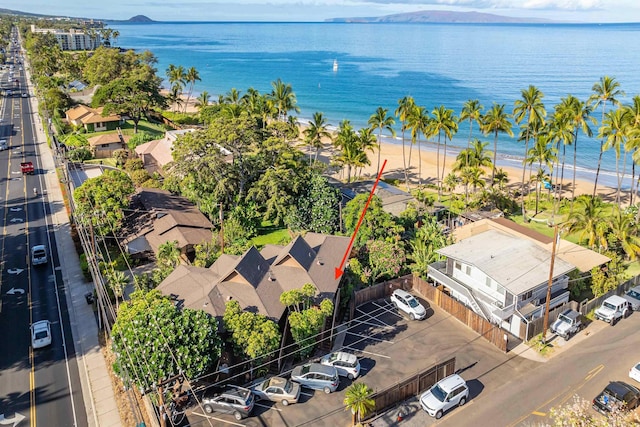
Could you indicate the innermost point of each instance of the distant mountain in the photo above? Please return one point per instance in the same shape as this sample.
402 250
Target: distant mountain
140 18
19 13
442 16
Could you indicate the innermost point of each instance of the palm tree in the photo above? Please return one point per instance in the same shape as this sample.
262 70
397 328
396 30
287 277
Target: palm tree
496 121
350 154
315 132
633 142
418 122
284 99
169 254
357 399
545 155
561 133
613 131
367 141
579 114
381 120
443 121
471 176
606 90
624 231
203 100
472 111
115 35
586 220
118 281
405 107
532 108
191 77
232 97
177 77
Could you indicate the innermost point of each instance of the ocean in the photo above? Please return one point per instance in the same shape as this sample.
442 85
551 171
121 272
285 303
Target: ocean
378 64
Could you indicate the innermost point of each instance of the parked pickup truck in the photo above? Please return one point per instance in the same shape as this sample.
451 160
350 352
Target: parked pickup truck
568 323
27 168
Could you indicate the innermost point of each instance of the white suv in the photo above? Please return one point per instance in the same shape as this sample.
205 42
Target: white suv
613 309
409 304
444 395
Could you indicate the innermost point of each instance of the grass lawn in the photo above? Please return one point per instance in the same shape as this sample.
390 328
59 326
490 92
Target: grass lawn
268 234
127 129
110 161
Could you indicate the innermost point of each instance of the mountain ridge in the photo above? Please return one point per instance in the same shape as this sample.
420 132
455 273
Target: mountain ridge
443 16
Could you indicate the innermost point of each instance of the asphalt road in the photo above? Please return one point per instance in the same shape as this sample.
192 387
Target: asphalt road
37 387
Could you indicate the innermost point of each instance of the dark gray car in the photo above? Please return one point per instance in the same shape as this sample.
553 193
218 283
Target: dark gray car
235 400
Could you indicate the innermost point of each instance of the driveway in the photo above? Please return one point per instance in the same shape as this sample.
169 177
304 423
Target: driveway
391 347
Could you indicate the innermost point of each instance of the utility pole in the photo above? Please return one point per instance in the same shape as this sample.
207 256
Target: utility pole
550 282
221 214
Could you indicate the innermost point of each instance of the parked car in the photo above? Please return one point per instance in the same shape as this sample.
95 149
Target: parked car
346 364
568 323
406 302
613 309
617 395
39 255
316 376
634 372
444 395
277 389
633 296
3 144
234 400
40 334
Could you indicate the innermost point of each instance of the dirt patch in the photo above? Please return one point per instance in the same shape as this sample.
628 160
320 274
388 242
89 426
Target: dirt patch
126 400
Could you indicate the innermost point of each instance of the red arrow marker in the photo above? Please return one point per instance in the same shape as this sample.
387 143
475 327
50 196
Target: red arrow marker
339 270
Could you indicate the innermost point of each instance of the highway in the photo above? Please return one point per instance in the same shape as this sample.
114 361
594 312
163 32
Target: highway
37 387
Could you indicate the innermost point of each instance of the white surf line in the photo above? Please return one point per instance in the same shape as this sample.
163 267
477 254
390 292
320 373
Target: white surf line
218 419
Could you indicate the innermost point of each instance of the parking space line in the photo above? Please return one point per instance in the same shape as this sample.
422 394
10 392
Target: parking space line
218 419
370 337
268 407
370 353
362 322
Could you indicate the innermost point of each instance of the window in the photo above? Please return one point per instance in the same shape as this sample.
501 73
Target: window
526 296
488 281
458 266
468 270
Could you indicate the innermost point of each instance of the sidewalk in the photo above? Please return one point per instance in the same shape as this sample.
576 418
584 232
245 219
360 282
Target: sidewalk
99 399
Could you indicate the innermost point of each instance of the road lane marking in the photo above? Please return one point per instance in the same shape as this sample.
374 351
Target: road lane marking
592 373
541 414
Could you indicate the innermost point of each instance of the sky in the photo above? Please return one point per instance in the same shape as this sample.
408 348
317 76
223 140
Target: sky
588 11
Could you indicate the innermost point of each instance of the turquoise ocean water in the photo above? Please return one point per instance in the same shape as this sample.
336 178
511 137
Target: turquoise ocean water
378 64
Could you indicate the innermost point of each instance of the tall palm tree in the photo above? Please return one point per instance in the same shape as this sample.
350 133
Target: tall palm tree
177 77
191 77
472 111
624 230
613 131
579 114
284 99
606 90
118 281
561 134
203 100
382 121
357 399
544 153
405 107
367 141
316 131
471 176
586 220
531 107
418 122
633 142
350 153
442 122
232 97
496 121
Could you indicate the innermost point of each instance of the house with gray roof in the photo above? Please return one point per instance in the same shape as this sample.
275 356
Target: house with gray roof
501 271
256 279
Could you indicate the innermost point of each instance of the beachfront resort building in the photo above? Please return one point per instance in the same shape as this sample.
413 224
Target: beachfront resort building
73 38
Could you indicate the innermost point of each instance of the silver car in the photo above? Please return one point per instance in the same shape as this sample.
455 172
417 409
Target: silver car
316 376
633 296
277 389
406 302
237 401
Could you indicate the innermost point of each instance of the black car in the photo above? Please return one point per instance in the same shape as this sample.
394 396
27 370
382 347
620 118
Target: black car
617 396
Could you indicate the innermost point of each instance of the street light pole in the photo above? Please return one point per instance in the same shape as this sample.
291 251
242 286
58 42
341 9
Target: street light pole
550 282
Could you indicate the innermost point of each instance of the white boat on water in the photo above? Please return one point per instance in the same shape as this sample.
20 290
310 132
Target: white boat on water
335 65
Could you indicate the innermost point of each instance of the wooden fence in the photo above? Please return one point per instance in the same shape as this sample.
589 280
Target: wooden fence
411 386
587 306
536 326
487 330
378 291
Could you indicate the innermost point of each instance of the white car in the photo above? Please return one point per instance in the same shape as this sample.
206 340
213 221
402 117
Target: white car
406 302
39 255
444 395
41 334
345 363
634 372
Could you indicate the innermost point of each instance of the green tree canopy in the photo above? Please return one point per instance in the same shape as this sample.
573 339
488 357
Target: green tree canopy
252 335
100 200
153 339
376 225
316 208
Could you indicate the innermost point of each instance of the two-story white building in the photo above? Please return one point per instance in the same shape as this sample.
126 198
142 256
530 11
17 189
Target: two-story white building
501 270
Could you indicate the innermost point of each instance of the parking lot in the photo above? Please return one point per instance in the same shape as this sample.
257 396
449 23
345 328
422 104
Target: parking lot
390 348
